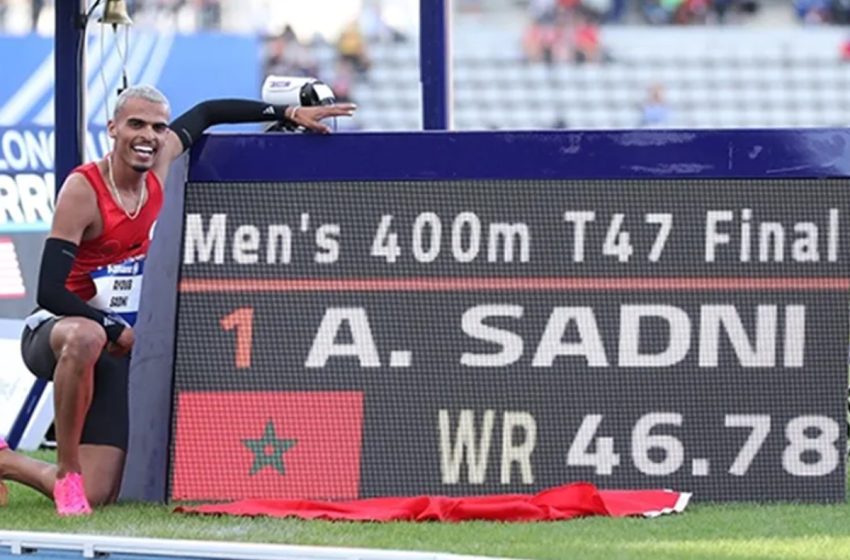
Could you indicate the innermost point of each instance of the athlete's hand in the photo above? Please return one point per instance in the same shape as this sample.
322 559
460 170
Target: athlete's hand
309 117
124 344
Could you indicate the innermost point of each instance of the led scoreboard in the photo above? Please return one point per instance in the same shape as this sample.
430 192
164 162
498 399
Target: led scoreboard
500 313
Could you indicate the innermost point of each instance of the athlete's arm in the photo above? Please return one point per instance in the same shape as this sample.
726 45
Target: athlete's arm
76 212
189 126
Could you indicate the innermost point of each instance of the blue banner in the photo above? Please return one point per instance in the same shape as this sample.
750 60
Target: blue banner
187 68
27 181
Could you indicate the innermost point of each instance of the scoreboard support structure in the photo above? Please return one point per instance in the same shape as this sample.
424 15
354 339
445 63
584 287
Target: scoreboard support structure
496 312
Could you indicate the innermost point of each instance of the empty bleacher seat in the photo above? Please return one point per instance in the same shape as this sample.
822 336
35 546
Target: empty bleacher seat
712 77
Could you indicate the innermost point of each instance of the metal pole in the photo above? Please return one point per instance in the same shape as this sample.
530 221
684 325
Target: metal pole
69 90
435 63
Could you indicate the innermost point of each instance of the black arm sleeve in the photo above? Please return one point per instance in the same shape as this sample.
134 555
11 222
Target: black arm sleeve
193 122
52 295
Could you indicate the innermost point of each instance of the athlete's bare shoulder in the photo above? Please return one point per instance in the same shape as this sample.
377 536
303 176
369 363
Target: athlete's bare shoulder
76 209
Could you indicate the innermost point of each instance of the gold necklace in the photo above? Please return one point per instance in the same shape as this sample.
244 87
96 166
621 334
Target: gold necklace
135 213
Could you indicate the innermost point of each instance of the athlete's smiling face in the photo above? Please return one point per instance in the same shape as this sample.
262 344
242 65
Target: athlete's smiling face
139 130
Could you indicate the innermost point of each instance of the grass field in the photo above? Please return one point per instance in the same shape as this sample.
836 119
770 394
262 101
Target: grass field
718 531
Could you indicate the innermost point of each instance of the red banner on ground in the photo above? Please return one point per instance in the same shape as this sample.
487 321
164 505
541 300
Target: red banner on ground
581 499
232 445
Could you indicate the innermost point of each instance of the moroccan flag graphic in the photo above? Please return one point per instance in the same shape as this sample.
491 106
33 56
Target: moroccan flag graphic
285 445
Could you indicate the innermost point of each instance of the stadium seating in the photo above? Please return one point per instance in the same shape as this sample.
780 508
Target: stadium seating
712 78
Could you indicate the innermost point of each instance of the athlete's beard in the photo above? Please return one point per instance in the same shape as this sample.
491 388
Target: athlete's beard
140 168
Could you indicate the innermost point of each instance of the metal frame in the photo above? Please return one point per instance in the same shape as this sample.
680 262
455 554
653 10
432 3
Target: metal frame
70 80
435 63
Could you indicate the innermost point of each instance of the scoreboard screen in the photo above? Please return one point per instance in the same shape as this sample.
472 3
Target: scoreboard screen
338 339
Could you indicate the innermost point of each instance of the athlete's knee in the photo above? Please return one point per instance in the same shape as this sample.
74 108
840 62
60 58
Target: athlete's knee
83 343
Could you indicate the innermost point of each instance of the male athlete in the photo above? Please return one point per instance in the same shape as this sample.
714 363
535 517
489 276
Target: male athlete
89 285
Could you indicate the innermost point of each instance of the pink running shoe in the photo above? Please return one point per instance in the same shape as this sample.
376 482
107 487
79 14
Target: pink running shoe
70 495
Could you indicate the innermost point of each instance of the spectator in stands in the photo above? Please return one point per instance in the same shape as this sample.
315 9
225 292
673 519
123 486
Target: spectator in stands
682 12
545 39
585 41
655 112
565 31
812 11
616 12
721 9
351 47
657 12
286 56
691 12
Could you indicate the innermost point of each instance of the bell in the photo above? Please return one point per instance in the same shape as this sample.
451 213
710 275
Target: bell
115 13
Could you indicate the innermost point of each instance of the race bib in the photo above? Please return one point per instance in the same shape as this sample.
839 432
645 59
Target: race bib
119 288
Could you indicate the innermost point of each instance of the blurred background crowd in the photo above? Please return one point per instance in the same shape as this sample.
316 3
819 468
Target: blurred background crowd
542 63
249 15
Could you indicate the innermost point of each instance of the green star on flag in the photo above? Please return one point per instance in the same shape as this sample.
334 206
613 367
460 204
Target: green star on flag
268 450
